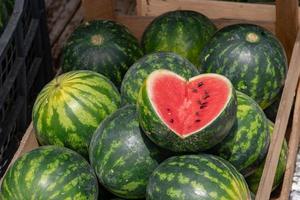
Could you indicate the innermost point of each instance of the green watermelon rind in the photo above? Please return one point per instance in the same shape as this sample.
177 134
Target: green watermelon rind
184 32
122 156
70 121
50 172
257 69
254 179
193 177
244 148
115 51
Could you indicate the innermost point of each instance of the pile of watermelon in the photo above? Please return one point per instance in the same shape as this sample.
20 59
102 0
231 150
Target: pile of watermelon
178 118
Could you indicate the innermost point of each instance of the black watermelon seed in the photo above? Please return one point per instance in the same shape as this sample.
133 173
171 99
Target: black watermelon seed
200 84
202 106
206 95
171 120
197 120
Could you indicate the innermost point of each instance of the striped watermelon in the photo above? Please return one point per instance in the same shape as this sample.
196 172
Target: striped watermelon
251 57
197 116
183 32
139 71
195 177
69 109
247 143
122 156
254 179
103 46
51 173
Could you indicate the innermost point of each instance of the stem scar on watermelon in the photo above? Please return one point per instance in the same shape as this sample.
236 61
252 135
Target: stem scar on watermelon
186 115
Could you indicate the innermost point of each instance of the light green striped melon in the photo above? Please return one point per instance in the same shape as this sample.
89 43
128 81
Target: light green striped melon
70 108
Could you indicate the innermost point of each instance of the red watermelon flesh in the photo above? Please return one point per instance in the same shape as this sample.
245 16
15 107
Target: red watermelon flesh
188 106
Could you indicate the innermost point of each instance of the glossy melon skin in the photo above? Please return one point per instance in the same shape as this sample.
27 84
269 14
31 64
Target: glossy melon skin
183 32
254 179
247 142
164 137
138 72
251 57
52 173
103 46
122 156
70 108
195 177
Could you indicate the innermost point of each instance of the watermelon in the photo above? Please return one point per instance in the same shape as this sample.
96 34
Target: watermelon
254 179
123 158
103 46
247 143
51 173
251 57
183 32
139 71
195 117
195 177
69 109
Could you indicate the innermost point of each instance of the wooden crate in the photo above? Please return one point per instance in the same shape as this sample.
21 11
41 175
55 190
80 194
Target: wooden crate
282 20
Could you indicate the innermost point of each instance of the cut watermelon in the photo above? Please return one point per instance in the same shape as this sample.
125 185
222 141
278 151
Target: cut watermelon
183 115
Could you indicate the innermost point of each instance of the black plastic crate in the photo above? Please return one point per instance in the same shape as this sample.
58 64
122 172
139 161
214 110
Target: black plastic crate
25 67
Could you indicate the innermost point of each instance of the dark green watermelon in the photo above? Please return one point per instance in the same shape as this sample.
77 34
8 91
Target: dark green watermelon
186 115
195 177
247 143
123 158
139 71
251 57
103 46
254 179
51 173
70 108
183 32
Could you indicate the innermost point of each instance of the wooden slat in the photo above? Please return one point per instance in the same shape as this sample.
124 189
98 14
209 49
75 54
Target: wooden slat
137 24
212 9
280 128
125 7
58 45
139 7
293 150
287 23
60 20
98 9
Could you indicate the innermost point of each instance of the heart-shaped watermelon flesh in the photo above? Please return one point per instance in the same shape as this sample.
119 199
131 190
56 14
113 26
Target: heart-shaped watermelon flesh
187 107
200 111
